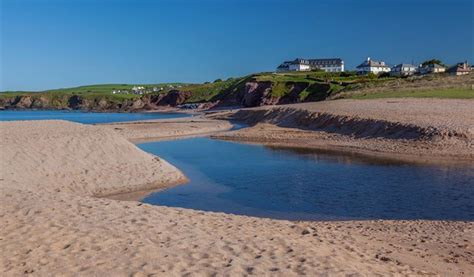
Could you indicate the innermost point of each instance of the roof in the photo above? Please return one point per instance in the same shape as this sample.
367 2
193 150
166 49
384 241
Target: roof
434 65
372 63
313 62
404 65
460 67
330 61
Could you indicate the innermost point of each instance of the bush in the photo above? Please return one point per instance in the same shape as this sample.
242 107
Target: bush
217 80
372 75
348 74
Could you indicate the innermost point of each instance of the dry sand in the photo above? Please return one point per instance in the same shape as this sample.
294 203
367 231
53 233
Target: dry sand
423 130
52 223
154 130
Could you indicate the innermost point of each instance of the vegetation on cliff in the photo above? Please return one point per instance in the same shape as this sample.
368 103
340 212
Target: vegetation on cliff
248 91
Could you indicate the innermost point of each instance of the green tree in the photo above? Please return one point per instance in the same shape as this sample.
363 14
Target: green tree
432 61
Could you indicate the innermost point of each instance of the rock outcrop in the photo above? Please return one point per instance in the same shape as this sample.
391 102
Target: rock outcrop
101 103
174 98
253 93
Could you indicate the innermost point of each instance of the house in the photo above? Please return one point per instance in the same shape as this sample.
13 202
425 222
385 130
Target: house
119 91
328 65
431 68
284 67
371 66
138 90
460 69
403 69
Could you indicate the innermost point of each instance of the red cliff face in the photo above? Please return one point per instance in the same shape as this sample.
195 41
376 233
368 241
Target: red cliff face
255 93
260 93
174 98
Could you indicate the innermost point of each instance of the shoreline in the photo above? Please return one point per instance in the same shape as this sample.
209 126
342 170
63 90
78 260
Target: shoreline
136 195
324 148
53 171
367 127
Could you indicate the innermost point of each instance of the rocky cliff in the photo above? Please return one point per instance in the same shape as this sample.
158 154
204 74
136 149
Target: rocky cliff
253 93
99 103
248 92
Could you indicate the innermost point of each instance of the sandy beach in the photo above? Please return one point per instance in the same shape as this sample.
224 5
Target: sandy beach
155 130
415 130
56 221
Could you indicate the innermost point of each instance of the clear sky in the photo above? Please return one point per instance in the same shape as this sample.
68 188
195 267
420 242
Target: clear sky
62 43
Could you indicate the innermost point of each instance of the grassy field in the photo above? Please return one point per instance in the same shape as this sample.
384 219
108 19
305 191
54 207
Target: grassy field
92 91
207 91
456 93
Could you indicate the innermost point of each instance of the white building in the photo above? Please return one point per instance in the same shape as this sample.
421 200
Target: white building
460 69
431 68
403 69
119 91
371 66
138 90
328 65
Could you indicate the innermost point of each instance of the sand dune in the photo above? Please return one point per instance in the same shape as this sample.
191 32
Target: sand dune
61 156
53 225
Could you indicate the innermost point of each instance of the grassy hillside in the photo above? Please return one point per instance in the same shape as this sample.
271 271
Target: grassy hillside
208 91
290 87
458 93
92 91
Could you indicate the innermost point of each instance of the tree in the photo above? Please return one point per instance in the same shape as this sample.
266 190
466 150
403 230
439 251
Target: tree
217 80
432 61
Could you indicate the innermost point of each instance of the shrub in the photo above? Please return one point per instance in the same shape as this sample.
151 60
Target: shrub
384 75
372 75
348 74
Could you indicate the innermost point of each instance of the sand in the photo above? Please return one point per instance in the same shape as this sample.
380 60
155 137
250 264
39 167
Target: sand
61 156
53 223
420 130
155 130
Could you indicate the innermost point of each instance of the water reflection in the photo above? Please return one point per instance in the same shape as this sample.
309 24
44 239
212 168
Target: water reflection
310 185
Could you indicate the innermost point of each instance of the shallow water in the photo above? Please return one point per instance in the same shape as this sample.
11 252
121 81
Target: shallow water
83 117
303 185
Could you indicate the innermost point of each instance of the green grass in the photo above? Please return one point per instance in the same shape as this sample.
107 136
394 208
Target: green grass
455 93
92 91
205 92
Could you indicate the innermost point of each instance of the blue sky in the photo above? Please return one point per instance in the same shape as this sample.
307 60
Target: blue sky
63 43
